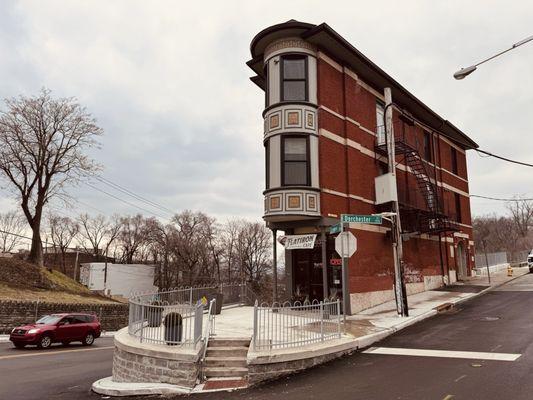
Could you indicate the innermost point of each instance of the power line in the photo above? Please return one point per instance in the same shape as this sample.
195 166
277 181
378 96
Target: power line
504 158
15 234
125 201
134 195
498 199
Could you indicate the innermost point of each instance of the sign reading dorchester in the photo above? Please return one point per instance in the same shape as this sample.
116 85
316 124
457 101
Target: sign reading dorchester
294 242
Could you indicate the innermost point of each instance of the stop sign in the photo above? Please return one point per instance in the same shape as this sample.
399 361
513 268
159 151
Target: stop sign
346 244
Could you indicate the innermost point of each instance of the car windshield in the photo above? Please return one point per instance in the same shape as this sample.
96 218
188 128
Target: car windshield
49 319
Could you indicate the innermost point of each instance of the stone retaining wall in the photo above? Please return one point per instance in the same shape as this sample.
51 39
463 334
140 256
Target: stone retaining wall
15 313
263 372
136 362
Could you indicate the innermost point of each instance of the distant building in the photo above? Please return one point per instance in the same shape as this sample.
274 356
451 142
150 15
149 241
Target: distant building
122 279
53 259
326 155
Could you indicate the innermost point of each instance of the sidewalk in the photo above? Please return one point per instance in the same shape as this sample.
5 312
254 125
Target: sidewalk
383 319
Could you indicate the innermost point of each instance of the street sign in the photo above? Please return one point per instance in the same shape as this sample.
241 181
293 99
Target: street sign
361 219
345 244
335 228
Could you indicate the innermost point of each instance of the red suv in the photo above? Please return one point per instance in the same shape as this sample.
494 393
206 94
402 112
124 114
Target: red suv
64 328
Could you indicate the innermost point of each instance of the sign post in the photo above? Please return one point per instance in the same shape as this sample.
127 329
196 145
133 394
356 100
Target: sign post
346 246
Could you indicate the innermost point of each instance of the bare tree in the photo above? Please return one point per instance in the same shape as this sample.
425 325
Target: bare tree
229 237
134 233
92 232
42 144
62 231
254 248
191 243
522 215
12 227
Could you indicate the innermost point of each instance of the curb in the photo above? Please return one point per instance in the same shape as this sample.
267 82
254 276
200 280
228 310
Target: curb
490 288
107 387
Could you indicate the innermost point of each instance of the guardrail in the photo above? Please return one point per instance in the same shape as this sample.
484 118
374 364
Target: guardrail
295 324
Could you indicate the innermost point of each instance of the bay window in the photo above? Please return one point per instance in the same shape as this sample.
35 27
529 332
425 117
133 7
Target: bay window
294 78
295 161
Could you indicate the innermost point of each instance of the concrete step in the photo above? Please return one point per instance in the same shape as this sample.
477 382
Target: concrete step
227 351
225 362
229 342
225 383
236 372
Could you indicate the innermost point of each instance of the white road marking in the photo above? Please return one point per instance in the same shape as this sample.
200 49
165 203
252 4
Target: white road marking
471 355
45 353
461 377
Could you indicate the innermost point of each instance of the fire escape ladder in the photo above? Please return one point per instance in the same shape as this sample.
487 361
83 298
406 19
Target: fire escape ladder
426 187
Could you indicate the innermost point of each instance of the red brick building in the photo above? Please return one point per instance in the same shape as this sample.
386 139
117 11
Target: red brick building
324 141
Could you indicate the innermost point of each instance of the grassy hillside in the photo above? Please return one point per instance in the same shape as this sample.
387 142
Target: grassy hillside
20 280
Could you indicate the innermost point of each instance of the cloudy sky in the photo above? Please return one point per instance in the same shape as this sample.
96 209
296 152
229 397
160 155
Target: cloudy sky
167 81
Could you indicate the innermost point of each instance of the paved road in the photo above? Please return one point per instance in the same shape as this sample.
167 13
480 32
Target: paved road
57 373
370 376
500 321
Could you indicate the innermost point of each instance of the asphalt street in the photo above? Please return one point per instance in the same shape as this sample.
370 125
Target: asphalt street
498 322
61 372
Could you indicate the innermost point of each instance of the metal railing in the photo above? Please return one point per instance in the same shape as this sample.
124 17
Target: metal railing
164 323
175 316
295 324
208 331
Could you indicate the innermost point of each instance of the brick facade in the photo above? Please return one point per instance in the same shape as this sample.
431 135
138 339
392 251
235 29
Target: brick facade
345 90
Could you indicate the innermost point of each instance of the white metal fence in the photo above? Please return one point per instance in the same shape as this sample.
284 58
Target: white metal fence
175 316
295 324
492 258
161 322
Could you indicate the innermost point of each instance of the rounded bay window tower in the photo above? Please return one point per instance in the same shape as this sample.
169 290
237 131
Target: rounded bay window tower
288 76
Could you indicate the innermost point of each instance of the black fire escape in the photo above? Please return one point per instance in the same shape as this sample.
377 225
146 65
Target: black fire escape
421 207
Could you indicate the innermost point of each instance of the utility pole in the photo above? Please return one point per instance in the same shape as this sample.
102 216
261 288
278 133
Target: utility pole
397 247
76 264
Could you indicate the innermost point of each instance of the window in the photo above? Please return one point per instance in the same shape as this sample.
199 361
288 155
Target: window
428 149
267 164
294 78
455 170
458 207
295 161
380 123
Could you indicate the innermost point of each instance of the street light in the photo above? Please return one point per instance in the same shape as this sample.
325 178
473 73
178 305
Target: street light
464 72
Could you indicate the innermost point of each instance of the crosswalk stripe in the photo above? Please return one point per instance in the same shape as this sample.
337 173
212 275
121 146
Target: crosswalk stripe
472 355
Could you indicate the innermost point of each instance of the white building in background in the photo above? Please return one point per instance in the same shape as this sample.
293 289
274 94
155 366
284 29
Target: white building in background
122 279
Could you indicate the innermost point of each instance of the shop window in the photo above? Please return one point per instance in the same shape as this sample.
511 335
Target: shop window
294 78
295 163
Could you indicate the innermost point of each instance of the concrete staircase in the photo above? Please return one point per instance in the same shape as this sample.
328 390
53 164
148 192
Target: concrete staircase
225 363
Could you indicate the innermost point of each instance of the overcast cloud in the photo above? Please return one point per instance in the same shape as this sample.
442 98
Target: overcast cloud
168 83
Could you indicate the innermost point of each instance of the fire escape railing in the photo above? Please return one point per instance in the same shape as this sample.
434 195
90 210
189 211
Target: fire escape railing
422 209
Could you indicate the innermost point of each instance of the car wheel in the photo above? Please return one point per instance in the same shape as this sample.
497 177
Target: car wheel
19 345
45 342
88 339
